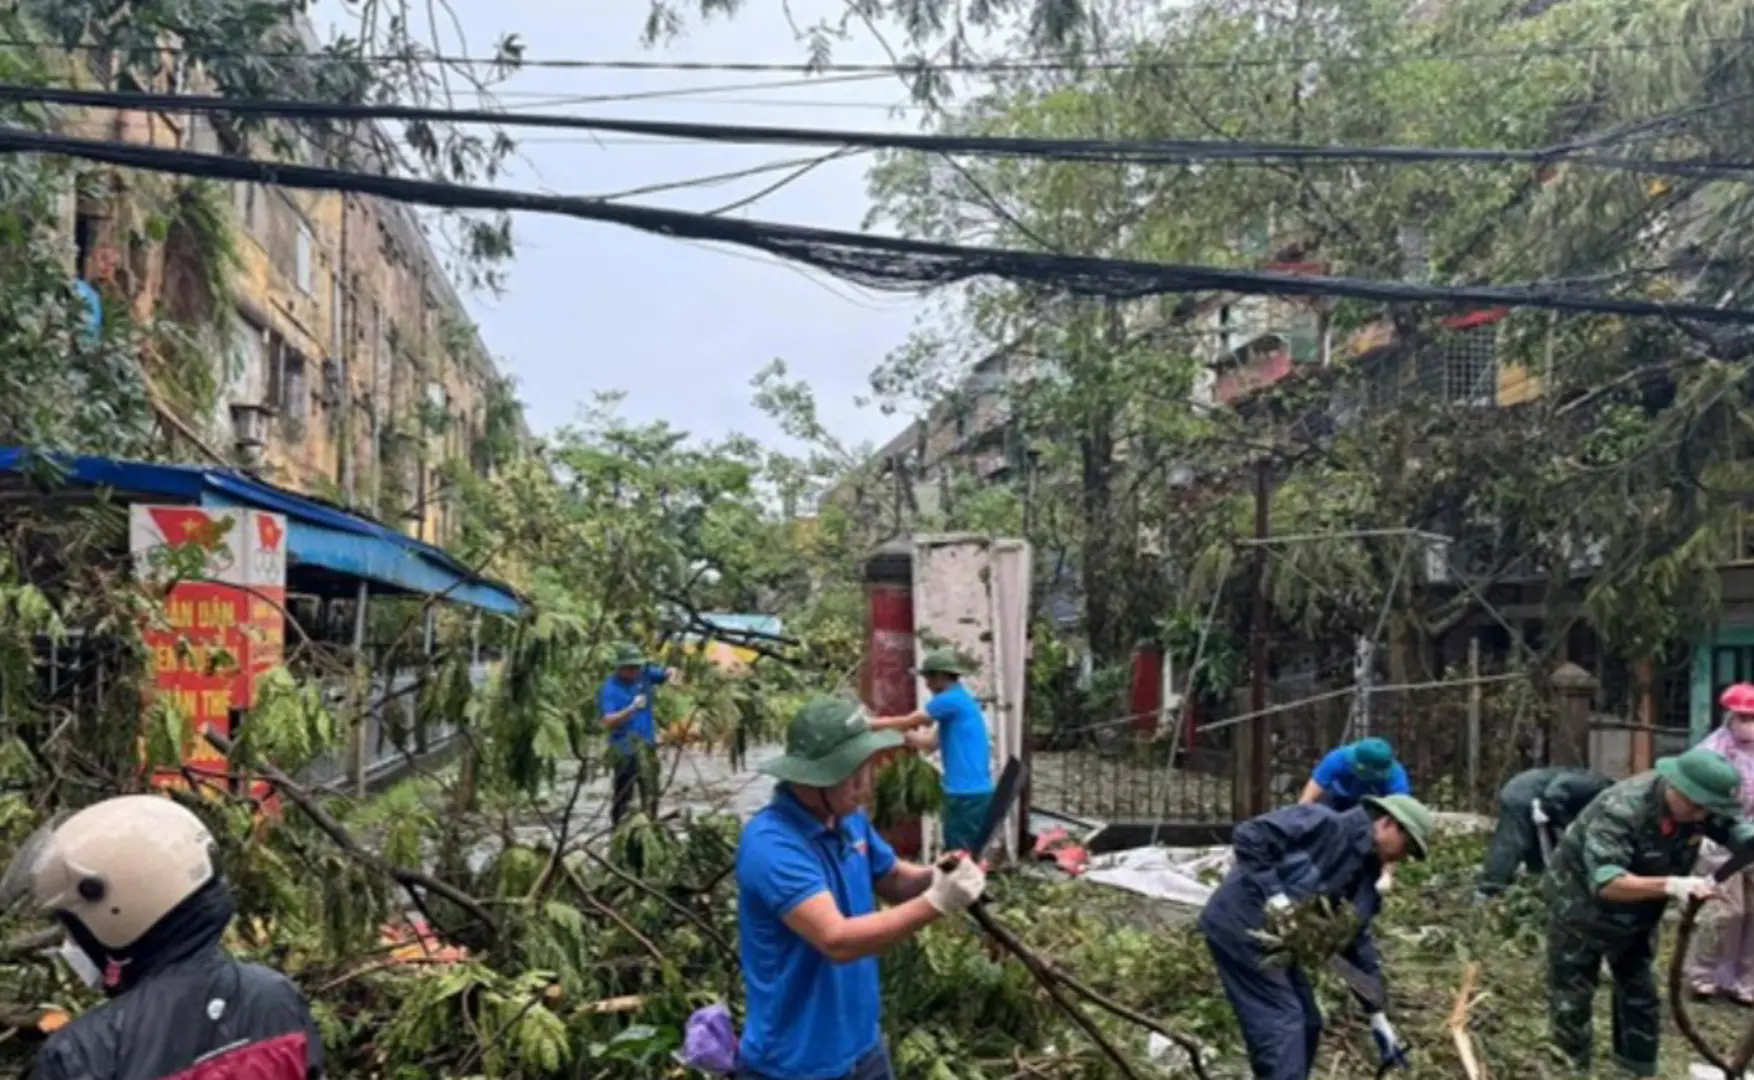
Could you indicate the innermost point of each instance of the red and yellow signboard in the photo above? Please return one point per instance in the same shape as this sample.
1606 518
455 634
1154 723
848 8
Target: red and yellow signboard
221 631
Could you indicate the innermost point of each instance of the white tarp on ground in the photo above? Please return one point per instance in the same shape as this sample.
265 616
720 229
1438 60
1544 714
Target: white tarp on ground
1179 875
1172 874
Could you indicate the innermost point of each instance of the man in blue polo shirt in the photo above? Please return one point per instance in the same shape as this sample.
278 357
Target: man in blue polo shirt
962 734
626 704
1350 774
810 870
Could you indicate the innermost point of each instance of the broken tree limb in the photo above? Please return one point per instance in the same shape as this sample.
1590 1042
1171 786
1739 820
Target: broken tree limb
1053 979
670 902
610 1006
414 881
1678 995
596 903
1458 1023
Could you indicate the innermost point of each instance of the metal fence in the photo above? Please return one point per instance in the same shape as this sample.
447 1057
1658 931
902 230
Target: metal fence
1134 779
1459 740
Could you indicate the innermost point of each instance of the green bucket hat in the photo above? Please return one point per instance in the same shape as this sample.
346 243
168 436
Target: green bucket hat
1371 758
627 654
1707 779
826 742
1411 815
943 662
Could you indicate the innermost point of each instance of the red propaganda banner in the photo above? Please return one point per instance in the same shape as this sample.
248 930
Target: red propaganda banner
222 631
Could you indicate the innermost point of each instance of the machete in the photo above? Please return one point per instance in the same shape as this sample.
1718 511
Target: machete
1367 990
1545 839
998 809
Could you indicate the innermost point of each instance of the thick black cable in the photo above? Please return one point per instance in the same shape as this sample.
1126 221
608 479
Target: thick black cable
920 67
877 261
1105 151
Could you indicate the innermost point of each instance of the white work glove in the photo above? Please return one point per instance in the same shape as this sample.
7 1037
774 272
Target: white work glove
1388 1043
1686 888
1384 884
1278 902
1538 812
639 703
956 889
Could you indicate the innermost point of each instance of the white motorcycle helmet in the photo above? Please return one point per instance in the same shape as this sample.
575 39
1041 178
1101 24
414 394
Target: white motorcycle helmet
116 867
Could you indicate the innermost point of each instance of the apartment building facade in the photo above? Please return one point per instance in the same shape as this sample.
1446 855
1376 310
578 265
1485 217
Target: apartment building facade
344 364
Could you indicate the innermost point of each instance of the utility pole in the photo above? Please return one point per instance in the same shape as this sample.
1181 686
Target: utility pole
1250 795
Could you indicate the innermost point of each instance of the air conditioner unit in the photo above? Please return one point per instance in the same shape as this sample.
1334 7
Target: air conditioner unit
249 430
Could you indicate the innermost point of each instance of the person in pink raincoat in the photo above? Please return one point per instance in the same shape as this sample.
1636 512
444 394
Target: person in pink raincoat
1722 963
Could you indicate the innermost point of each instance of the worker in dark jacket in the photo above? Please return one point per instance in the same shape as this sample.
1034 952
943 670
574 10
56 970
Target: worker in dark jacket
1291 857
1532 803
133 884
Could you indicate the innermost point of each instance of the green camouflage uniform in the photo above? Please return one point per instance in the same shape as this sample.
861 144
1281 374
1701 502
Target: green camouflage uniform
1562 792
1626 830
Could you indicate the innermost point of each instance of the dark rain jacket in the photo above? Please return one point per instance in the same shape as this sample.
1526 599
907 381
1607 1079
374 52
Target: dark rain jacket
1303 852
205 1017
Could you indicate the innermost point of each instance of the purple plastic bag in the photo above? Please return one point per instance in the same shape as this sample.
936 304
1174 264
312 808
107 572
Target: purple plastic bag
709 1041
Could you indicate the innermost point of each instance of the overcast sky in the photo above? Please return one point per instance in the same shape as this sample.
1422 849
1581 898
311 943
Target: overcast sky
681 327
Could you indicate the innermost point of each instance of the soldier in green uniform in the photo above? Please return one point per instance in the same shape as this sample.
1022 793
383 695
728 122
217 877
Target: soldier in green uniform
1533 802
1621 862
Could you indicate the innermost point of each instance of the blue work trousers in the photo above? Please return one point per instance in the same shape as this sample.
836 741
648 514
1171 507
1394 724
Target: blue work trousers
1275 1007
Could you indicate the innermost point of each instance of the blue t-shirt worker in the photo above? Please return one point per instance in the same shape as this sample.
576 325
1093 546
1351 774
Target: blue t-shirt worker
1350 774
810 870
961 733
626 704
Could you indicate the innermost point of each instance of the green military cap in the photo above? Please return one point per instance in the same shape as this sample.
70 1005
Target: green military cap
826 742
627 654
1372 758
943 662
1707 779
1411 815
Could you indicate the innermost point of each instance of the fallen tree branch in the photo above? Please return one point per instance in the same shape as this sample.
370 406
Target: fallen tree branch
414 881
611 914
1052 979
608 1006
1458 1023
1678 991
670 902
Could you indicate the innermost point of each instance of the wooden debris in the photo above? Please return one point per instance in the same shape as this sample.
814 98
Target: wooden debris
1458 1023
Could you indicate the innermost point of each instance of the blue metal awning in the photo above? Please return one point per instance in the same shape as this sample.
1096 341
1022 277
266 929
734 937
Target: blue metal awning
320 536
740 623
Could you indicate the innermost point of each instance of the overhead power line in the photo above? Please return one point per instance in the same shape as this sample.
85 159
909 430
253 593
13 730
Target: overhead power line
1103 151
973 67
544 100
876 261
